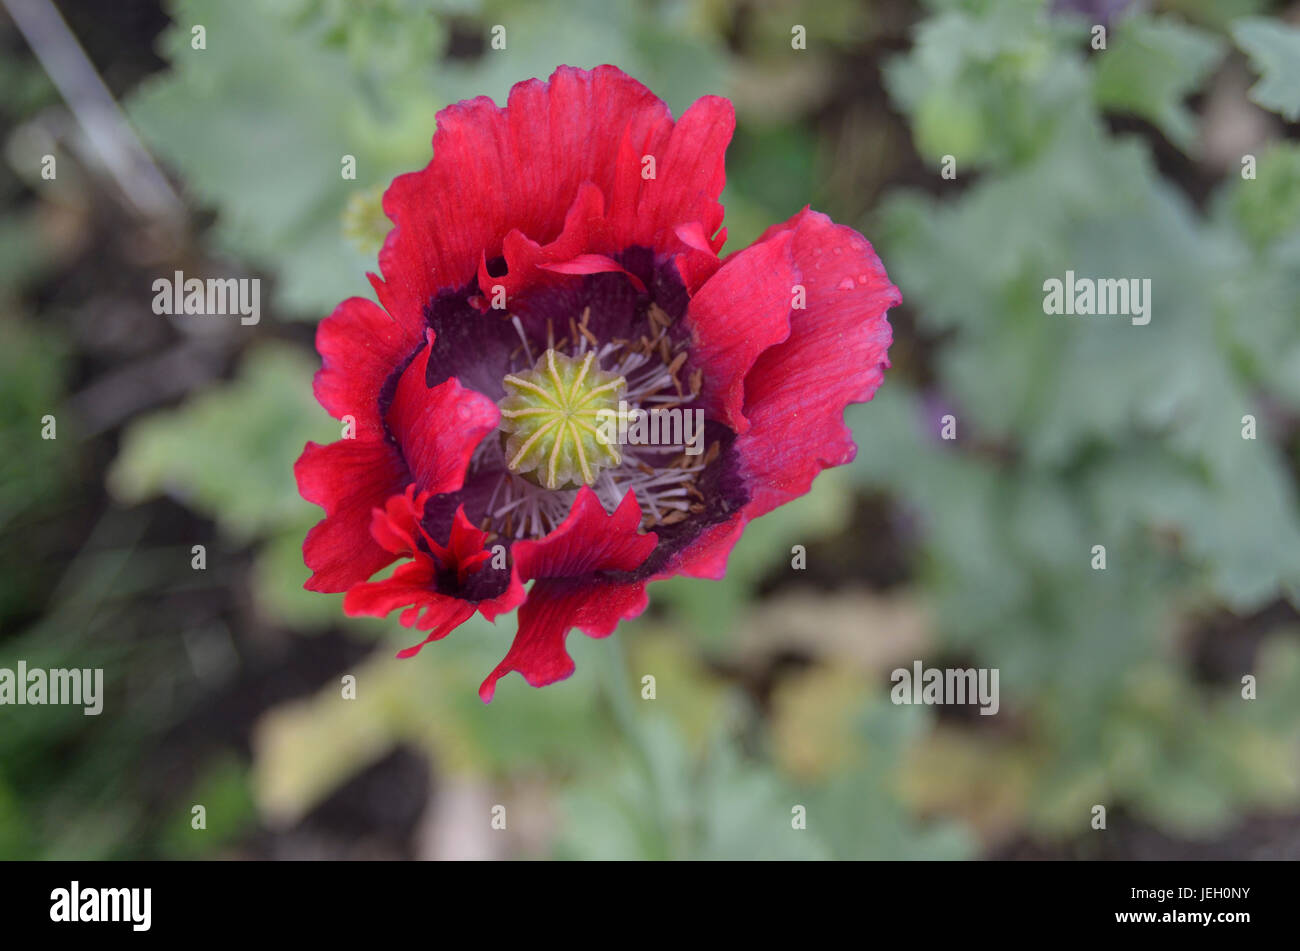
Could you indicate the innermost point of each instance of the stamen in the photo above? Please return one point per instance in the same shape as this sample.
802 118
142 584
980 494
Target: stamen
554 432
519 329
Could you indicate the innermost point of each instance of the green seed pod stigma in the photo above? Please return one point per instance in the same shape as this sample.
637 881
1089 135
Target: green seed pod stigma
555 419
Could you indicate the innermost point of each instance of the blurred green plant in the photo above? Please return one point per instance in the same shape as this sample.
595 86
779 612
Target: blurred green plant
1274 49
1078 432
1151 68
228 453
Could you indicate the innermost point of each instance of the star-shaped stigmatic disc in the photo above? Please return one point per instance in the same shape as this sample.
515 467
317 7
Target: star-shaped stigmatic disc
556 419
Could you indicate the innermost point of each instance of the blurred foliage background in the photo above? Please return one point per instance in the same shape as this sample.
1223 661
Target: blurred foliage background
1119 687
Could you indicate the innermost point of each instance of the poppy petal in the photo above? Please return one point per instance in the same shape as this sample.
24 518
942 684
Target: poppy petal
438 428
349 479
836 354
359 345
521 168
572 588
739 312
550 611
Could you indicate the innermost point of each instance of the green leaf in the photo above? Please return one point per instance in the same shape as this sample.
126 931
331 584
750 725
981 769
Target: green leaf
987 85
1274 50
1151 65
664 804
229 452
258 124
226 796
1268 206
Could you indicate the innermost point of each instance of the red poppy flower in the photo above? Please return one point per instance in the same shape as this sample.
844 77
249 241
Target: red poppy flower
553 269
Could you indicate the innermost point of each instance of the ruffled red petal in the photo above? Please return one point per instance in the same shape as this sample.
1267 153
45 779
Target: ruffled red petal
524 256
587 541
360 345
593 264
437 614
706 556
797 389
349 479
690 175
438 428
571 589
532 167
397 525
411 584
466 549
698 258
414 584
836 355
552 609
740 311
